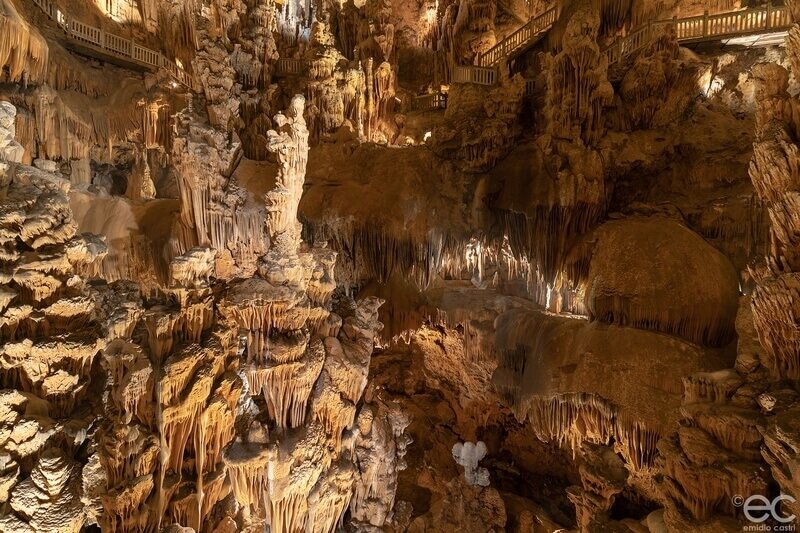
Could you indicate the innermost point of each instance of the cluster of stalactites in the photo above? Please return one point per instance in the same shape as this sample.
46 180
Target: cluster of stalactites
337 105
371 252
355 99
175 27
774 171
467 30
171 407
52 127
215 211
304 475
23 51
574 418
294 469
577 87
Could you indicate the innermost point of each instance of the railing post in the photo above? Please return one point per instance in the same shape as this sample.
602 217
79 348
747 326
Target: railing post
705 23
769 14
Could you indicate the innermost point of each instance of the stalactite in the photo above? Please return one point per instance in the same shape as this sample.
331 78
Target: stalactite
369 252
776 179
577 88
23 51
176 28
215 211
248 474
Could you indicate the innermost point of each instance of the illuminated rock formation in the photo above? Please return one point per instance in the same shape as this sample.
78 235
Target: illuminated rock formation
50 341
171 409
775 299
380 446
586 259
10 150
304 366
215 212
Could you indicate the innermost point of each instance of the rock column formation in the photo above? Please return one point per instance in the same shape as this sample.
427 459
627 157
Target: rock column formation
49 345
304 367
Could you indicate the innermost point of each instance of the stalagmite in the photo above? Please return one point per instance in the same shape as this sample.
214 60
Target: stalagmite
380 447
467 455
298 474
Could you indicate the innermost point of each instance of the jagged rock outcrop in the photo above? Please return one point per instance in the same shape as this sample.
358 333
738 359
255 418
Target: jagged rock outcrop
50 342
775 299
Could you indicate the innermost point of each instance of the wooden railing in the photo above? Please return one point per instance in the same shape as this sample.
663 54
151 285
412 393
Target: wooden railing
704 28
530 86
518 39
290 67
424 102
113 45
485 72
471 74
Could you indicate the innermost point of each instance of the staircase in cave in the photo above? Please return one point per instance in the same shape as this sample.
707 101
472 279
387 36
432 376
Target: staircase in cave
95 42
527 35
688 30
485 72
704 28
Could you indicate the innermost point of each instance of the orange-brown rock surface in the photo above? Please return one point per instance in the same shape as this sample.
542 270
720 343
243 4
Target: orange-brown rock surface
383 265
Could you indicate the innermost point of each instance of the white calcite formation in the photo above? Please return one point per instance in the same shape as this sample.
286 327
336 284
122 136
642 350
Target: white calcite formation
10 150
468 454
